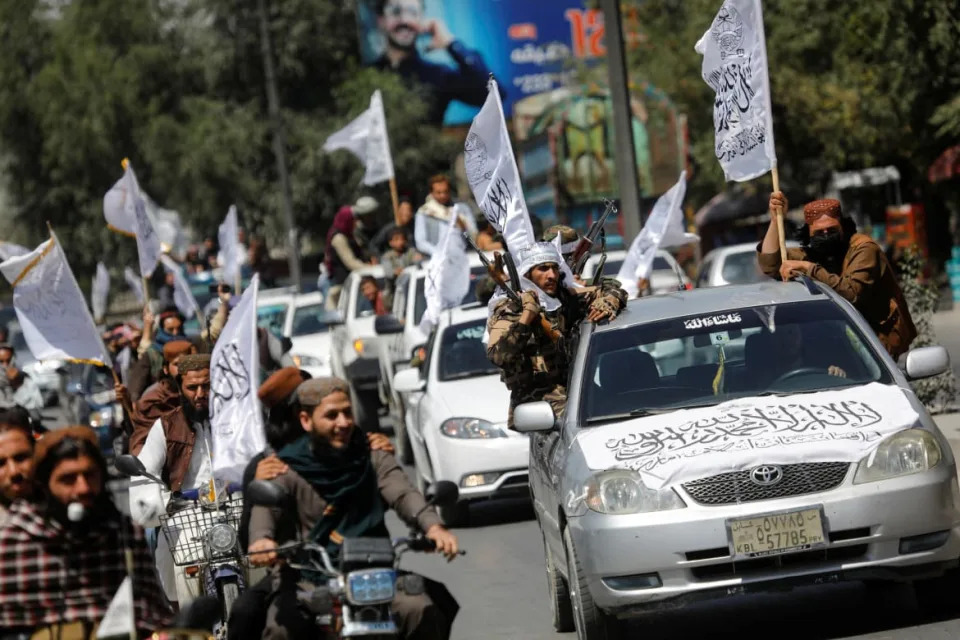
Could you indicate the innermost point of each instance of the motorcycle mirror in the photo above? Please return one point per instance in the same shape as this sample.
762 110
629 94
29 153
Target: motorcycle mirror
443 494
265 493
129 465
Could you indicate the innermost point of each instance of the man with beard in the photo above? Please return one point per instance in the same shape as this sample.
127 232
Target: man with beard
850 263
434 216
62 556
149 364
16 465
342 490
178 449
401 22
534 366
161 397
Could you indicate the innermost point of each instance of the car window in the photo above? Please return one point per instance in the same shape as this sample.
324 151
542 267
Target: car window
420 299
742 268
703 280
400 296
660 264
711 358
462 353
306 320
362 307
271 316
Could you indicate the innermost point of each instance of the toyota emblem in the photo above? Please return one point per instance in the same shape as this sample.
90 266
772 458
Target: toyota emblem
766 475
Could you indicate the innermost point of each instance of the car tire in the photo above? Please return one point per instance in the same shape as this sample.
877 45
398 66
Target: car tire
937 597
456 516
365 405
590 622
404 449
561 611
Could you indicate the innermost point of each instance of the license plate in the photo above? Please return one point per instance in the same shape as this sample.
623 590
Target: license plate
777 533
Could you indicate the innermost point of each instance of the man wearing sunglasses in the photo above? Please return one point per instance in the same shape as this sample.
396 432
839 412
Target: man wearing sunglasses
850 263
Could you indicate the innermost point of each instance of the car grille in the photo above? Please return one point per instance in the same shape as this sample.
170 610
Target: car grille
798 479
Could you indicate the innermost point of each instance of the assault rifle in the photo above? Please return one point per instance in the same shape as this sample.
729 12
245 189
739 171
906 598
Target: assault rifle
511 286
582 251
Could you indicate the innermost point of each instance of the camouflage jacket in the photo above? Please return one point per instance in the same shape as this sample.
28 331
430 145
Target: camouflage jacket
533 366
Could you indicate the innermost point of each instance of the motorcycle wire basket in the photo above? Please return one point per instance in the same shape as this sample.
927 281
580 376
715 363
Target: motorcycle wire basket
184 529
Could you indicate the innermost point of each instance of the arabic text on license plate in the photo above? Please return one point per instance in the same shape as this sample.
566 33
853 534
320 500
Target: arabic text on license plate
776 533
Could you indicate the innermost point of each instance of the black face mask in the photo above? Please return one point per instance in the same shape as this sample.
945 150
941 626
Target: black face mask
829 248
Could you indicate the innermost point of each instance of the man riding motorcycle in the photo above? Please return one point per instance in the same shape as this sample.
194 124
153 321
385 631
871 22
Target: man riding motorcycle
342 490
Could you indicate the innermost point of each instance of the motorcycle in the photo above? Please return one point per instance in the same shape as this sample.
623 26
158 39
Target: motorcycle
355 599
202 534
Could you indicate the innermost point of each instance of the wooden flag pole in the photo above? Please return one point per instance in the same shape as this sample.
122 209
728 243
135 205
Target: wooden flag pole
781 236
396 201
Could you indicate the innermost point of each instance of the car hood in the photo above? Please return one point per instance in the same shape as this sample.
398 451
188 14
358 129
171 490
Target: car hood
483 397
825 426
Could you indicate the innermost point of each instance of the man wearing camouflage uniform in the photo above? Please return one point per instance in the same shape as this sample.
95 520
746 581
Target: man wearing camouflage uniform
533 366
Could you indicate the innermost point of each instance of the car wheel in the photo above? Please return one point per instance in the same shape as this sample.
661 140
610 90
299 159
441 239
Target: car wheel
938 596
365 404
560 608
456 516
589 620
404 450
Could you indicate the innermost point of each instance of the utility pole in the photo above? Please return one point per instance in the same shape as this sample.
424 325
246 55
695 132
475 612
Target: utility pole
626 155
279 145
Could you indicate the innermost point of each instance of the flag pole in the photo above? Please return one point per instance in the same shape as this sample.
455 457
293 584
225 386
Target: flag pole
396 201
779 216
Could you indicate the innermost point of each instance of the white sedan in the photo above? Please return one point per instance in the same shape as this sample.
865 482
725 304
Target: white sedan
665 273
456 416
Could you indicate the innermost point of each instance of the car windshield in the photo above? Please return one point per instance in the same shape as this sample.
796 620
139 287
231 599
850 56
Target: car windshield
706 359
306 320
362 307
462 352
271 317
742 268
420 304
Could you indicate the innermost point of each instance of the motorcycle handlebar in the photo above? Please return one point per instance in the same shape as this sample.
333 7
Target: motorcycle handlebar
194 494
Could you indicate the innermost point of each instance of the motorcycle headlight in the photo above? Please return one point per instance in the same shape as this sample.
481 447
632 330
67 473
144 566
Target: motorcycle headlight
471 428
101 417
903 453
620 491
371 586
222 538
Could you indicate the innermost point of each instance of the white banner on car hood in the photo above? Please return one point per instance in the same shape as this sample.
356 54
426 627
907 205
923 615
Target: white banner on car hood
826 426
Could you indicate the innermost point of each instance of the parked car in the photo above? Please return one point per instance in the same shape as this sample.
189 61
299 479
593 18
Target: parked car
355 351
734 264
46 373
751 467
663 273
401 338
308 327
457 413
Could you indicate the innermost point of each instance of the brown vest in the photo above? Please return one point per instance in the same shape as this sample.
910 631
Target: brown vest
886 309
180 437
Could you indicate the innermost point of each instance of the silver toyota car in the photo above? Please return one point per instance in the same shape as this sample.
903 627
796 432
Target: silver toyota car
726 440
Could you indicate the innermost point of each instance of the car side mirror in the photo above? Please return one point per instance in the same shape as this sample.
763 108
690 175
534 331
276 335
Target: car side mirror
387 325
265 493
532 417
443 494
925 362
129 465
408 381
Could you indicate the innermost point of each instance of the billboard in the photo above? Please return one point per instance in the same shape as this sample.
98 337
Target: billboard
452 46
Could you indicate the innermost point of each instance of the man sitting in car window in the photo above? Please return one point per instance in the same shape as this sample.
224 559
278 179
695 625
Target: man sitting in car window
371 291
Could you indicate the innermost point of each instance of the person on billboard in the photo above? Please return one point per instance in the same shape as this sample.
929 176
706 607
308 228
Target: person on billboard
401 22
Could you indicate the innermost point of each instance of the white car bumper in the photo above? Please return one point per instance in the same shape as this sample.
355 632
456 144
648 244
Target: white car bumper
502 461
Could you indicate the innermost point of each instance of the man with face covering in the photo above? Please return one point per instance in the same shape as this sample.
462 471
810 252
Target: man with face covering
850 263
62 554
532 365
178 449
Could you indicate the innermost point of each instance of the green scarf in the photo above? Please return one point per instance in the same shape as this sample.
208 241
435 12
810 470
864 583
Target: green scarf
347 482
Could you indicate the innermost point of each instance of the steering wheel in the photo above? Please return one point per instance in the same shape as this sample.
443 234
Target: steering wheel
799 371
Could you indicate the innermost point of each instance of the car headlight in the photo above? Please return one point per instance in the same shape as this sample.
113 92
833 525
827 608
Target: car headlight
903 453
471 428
101 417
371 586
307 361
221 538
621 491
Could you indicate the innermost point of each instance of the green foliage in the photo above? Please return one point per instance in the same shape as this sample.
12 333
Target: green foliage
938 393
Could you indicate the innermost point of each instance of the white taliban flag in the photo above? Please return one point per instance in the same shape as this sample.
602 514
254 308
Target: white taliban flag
664 228
448 277
99 292
125 209
493 176
53 315
734 52
10 250
235 414
366 137
182 295
228 235
134 283
118 621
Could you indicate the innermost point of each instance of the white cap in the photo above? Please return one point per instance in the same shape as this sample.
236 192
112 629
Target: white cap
364 205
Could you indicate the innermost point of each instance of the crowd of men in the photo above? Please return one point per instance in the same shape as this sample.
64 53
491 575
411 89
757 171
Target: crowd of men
56 511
